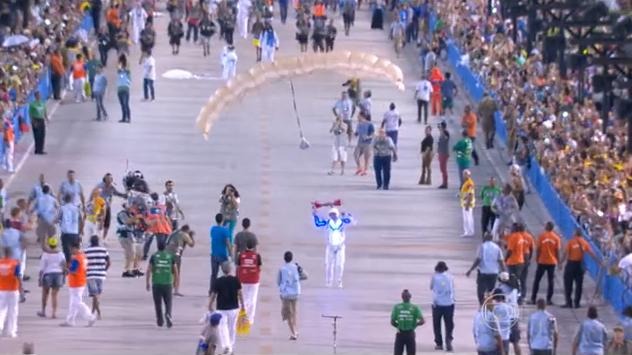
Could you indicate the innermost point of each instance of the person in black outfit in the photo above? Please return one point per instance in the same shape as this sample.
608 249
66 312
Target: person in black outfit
330 37
426 157
226 290
103 39
96 7
147 38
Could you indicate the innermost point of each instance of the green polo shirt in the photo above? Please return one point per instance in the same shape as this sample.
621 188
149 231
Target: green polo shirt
463 149
406 315
37 109
489 194
162 268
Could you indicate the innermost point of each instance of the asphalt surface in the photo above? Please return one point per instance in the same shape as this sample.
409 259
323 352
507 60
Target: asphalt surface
399 237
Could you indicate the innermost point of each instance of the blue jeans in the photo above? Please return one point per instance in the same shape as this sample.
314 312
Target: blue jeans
148 88
393 135
123 96
216 262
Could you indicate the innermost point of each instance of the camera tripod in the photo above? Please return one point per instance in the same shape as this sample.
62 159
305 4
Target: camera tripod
335 324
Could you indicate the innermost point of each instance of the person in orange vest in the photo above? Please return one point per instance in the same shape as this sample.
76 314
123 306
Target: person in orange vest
10 289
319 10
77 281
79 78
436 79
519 246
158 225
248 273
574 270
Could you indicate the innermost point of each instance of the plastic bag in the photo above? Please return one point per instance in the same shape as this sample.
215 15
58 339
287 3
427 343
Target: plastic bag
87 89
243 324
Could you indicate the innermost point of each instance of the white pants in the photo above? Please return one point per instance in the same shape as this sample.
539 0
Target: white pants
7 159
250 292
76 307
228 328
267 53
468 221
90 229
136 29
334 263
229 71
242 22
78 88
9 301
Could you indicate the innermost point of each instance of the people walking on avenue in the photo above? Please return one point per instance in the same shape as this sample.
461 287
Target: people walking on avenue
127 232
123 86
289 283
427 154
138 17
77 281
39 120
194 12
345 109
548 249
69 225
147 38
149 75
469 124
47 211
176 243
249 271
504 312
520 247
423 90
302 32
243 16
269 43
170 200
160 277
98 264
336 237
384 152
486 111
227 292
98 92
505 207
243 237
467 194
108 190
406 317
319 35
487 331
362 153
574 269
391 122
339 147
79 78
10 293
490 262
443 152
51 275
442 286
207 30
436 79
542 331
229 62
463 149
591 336
489 193
71 186
94 214
221 247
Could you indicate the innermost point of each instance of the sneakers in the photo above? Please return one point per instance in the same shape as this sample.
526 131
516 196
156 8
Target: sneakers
128 274
168 319
438 347
138 273
448 347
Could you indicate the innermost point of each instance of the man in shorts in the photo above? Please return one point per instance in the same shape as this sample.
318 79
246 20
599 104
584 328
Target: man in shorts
362 151
345 109
289 284
176 242
448 92
98 265
339 147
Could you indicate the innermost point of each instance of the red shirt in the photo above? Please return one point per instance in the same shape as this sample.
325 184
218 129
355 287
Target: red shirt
249 267
9 275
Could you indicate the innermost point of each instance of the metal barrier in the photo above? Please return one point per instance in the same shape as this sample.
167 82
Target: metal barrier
612 287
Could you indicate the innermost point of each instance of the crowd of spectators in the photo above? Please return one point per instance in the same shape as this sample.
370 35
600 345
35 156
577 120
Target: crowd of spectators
39 29
587 167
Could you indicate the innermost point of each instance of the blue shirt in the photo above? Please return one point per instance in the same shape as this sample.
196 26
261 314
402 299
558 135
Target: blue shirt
219 236
365 132
448 88
485 331
46 208
100 83
489 254
11 239
541 328
288 281
505 314
442 286
592 337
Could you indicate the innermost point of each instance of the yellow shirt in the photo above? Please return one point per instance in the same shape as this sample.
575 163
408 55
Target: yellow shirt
468 192
97 205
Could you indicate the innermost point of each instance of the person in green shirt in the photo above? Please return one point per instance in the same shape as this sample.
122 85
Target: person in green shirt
463 149
406 317
161 274
39 118
488 195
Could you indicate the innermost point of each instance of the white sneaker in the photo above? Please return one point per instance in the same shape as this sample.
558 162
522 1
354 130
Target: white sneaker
92 321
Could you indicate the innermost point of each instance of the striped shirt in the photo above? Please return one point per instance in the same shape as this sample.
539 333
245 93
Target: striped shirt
97 261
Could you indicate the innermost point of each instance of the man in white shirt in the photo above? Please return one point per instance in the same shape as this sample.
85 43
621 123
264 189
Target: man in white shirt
73 188
229 62
149 75
422 94
69 217
391 122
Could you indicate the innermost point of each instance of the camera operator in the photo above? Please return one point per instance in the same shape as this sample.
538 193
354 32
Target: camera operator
229 207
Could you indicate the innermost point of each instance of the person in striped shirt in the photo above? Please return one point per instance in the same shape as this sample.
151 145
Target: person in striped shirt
98 264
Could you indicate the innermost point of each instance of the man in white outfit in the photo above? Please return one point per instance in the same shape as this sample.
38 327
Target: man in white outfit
248 272
335 250
243 14
229 62
269 43
10 286
139 18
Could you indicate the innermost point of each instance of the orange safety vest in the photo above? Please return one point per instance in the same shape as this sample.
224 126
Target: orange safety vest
9 281
78 70
248 270
78 278
158 223
436 78
319 10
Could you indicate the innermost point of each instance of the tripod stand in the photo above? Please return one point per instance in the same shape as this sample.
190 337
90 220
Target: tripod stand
335 324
